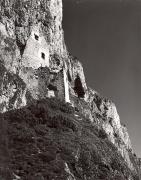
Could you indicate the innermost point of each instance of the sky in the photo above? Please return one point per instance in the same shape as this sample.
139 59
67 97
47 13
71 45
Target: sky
105 35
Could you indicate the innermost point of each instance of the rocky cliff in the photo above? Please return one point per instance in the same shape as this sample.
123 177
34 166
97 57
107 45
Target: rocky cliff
35 64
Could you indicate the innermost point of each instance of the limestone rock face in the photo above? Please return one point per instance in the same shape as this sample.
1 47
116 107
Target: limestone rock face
33 44
31 38
22 15
76 78
13 91
105 114
35 64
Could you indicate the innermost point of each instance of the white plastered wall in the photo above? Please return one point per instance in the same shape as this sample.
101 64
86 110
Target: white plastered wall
32 56
66 86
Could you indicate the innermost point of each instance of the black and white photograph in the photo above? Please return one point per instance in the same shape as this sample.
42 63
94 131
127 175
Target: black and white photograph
70 89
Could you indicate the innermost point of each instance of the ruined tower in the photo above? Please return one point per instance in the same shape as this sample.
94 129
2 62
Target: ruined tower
36 52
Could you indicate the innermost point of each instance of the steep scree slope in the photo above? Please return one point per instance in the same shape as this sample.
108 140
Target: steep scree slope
46 141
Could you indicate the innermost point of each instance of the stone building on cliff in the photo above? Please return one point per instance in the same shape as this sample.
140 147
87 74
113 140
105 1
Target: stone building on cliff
36 52
36 55
35 64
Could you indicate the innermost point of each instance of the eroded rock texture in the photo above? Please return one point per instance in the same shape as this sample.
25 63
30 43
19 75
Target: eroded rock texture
35 64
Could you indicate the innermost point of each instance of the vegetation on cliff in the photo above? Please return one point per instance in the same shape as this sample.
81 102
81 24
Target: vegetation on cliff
48 140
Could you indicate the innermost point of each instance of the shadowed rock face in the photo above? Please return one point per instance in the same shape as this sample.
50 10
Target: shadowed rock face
35 64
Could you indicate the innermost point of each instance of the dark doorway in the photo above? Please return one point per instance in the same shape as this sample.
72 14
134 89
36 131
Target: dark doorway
78 88
21 46
69 76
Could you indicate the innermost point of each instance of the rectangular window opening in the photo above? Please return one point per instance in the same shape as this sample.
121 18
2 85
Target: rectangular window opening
43 55
36 37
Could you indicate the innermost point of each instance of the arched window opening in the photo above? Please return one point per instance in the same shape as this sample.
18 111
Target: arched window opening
78 88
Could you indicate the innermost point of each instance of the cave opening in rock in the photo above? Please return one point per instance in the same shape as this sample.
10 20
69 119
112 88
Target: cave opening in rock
78 88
